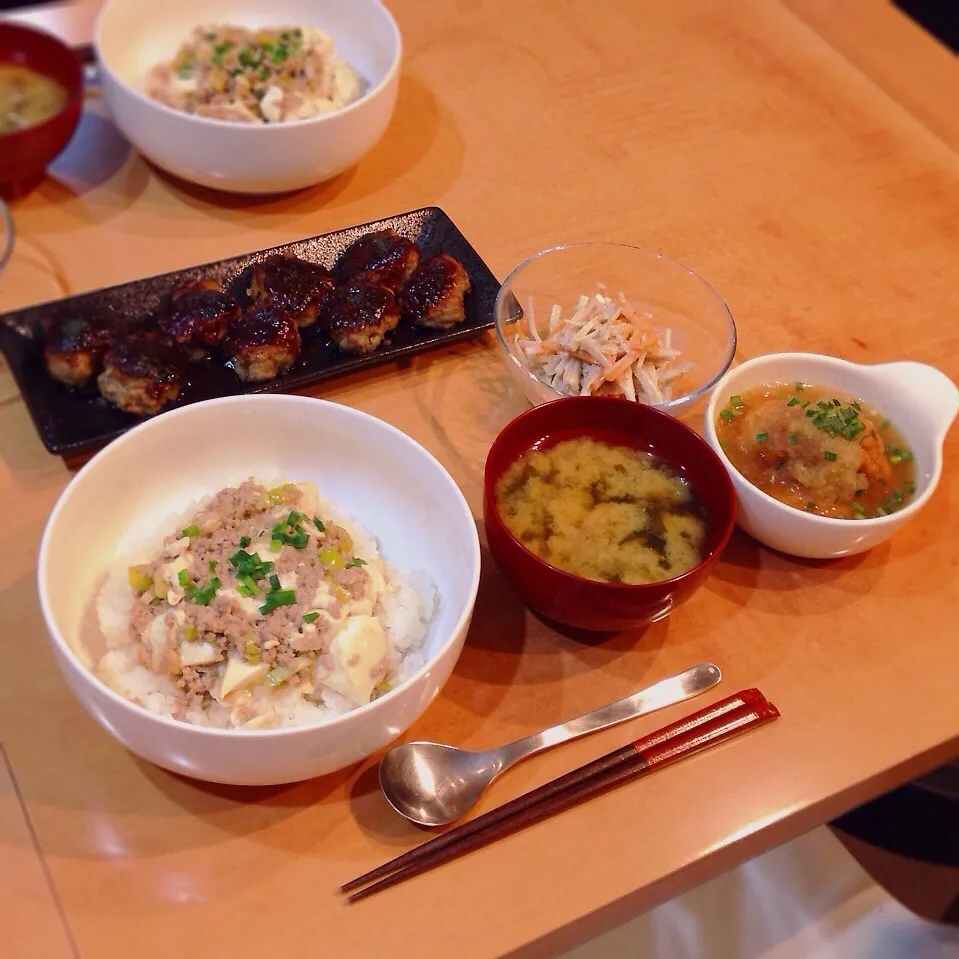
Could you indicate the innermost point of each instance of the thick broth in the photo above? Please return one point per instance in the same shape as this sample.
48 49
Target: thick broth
608 513
27 97
817 449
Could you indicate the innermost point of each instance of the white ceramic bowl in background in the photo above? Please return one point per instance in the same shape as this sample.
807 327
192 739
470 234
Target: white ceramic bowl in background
919 400
370 471
131 36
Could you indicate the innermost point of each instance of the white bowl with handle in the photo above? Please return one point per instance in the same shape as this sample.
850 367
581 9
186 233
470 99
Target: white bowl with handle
921 401
131 36
370 472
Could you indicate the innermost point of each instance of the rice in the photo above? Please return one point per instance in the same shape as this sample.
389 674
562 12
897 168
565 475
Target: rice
260 608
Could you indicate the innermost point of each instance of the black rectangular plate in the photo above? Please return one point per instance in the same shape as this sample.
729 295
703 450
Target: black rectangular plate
71 422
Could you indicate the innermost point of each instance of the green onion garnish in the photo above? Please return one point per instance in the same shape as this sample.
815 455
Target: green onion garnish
355 561
244 542
830 455
278 597
309 617
858 508
794 401
910 488
318 524
276 545
250 564
191 530
183 577
274 582
736 402
204 596
762 437
727 414
211 566
793 438
245 585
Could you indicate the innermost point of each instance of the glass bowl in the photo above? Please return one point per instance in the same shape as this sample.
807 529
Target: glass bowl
702 326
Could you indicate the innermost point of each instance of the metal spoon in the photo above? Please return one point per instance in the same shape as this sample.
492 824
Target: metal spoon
432 784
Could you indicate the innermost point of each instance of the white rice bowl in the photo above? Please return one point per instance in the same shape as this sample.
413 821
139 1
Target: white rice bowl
116 506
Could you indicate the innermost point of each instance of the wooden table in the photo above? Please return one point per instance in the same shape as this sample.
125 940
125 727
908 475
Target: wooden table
730 136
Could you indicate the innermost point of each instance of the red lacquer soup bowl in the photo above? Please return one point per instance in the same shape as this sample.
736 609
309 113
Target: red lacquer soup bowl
585 603
24 154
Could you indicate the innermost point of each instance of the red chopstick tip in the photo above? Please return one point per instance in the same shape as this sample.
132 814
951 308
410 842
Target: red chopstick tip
767 710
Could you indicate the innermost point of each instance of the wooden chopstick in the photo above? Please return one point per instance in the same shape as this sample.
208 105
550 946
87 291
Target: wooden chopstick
696 732
587 772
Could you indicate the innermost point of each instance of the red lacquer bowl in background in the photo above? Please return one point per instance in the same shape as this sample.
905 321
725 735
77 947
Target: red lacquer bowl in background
24 154
584 603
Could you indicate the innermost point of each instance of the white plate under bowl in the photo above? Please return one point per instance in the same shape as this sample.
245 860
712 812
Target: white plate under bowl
370 471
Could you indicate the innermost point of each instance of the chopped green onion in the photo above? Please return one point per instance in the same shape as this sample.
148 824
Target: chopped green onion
211 566
895 458
830 455
727 414
762 437
244 542
246 586
274 582
794 401
318 524
250 564
203 597
278 597
910 488
885 424
183 577
836 402
276 545
355 561
793 438
309 617
191 530
736 401
858 508
881 512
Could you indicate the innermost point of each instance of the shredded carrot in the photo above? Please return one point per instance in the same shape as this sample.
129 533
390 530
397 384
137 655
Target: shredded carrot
602 346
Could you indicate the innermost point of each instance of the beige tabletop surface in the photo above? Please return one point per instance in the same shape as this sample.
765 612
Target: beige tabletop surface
729 135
